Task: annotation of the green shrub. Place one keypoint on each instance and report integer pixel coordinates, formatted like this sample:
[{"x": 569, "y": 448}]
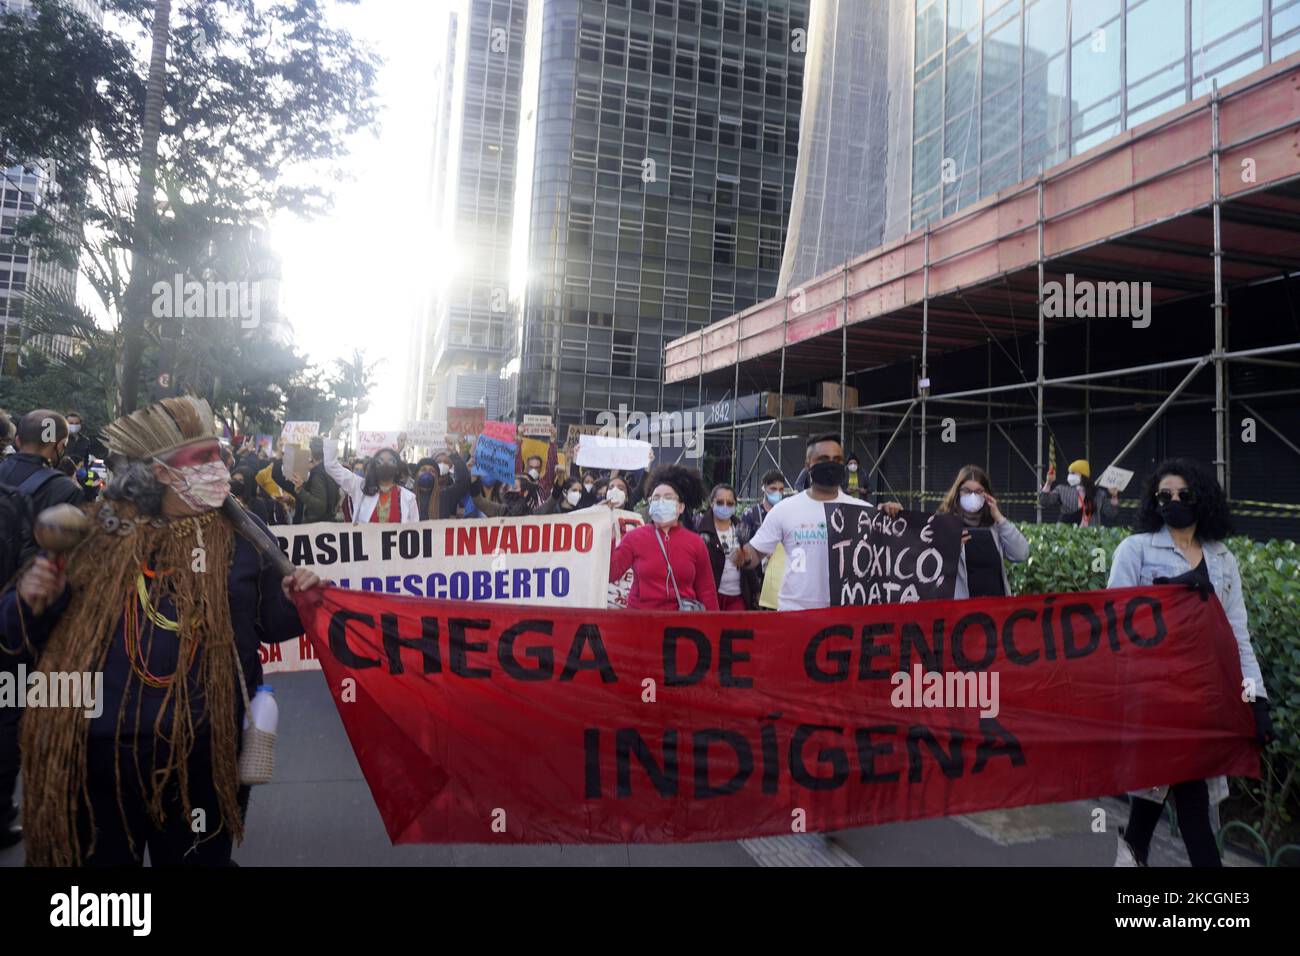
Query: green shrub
[{"x": 1066, "y": 558}]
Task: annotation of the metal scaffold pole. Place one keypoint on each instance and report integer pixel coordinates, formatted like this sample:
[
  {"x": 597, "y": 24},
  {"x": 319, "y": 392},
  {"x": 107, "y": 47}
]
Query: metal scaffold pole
[
  {"x": 1038, "y": 426},
  {"x": 780, "y": 395},
  {"x": 925, "y": 357},
  {"x": 1220, "y": 379},
  {"x": 844, "y": 357}
]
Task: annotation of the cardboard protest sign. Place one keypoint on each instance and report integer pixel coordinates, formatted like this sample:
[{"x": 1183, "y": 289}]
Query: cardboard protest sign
[
  {"x": 370, "y": 442},
  {"x": 427, "y": 433},
  {"x": 496, "y": 723},
  {"x": 533, "y": 561},
  {"x": 299, "y": 433},
  {"x": 265, "y": 443},
  {"x": 1115, "y": 477},
  {"x": 537, "y": 426},
  {"x": 876, "y": 559},
  {"x": 466, "y": 422},
  {"x": 296, "y": 462}
]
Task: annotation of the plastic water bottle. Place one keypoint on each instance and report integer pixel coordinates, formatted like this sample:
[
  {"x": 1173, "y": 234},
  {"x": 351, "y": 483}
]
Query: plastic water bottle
[{"x": 263, "y": 711}]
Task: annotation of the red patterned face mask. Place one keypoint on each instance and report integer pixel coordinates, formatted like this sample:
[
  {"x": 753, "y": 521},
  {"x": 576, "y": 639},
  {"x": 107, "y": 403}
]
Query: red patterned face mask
[{"x": 198, "y": 475}]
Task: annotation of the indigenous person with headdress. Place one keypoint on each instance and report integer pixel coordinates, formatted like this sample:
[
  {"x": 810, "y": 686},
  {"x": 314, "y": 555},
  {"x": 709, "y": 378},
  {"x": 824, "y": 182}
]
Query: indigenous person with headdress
[{"x": 169, "y": 602}]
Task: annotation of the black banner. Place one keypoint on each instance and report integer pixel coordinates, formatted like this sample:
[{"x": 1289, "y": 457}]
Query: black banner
[{"x": 878, "y": 559}]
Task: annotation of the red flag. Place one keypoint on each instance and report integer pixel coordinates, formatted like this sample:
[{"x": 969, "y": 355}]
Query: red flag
[{"x": 488, "y": 722}]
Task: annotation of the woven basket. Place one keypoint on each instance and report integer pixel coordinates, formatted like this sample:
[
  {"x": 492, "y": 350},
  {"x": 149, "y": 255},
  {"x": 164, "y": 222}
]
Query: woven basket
[{"x": 256, "y": 757}]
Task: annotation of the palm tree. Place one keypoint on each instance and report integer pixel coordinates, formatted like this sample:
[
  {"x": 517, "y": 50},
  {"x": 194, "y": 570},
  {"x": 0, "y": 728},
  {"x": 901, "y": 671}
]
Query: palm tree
[
  {"x": 137, "y": 293},
  {"x": 352, "y": 384}
]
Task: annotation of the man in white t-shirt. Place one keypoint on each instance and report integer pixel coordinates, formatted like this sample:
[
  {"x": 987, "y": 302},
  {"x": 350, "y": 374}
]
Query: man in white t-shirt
[{"x": 799, "y": 523}]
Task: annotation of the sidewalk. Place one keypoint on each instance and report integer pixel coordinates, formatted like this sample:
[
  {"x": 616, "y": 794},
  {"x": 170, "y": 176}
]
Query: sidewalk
[{"x": 319, "y": 812}]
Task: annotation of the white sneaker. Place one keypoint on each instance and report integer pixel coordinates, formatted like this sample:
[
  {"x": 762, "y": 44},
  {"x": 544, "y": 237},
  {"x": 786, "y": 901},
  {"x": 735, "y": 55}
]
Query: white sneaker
[{"x": 1124, "y": 855}]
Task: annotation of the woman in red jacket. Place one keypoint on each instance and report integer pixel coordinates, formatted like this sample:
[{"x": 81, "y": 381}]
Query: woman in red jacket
[{"x": 669, "y": 562}]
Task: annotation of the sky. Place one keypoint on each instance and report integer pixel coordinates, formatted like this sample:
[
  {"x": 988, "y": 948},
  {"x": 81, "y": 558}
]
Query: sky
[{"x": 356, "y": 277}]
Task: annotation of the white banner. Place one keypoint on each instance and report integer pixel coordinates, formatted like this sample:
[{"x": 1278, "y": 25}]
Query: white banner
[
  {"x": 551, "y": 560},
  {"x": 611, "y": 451}
]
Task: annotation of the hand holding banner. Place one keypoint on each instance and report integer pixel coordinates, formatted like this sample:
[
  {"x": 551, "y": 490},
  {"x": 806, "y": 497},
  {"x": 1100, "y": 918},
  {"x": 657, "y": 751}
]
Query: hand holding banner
[{"x": 879, "y": 559}]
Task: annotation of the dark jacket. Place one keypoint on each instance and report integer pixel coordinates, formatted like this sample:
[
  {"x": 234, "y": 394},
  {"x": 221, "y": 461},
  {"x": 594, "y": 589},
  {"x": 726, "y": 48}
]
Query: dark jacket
[
  {"x": 81, "y": 446},
  {"x": 58, "y": 490},
  {"x": 259, "y": 612},
  {"x": 751, "y": 585},
  {"x": 318, "y": 498},
  {"x": 449, "y": 493}
]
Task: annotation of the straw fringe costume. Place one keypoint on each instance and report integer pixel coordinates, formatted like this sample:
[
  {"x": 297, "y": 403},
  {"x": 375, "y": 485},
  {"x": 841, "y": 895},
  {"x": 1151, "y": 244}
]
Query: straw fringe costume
[{"x": 171, "y": 611}]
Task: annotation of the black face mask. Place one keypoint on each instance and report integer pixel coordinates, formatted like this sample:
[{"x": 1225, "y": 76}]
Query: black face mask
[
  {"x": 1176, "y": 514},
  {"x": 827, "y": 474},
  {"x": 385, "y": 472}
]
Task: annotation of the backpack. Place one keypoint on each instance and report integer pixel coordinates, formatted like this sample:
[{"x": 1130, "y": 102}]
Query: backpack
[{"x": 17, "y": 521}]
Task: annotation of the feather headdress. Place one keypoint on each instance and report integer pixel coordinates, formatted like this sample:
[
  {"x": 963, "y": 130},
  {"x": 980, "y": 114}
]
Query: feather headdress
[{"x": 158, "y": 428}]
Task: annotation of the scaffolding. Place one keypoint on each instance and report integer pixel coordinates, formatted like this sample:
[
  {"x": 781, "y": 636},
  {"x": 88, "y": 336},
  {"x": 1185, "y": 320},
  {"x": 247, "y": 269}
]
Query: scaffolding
[{"x": 1144, "y": 227}]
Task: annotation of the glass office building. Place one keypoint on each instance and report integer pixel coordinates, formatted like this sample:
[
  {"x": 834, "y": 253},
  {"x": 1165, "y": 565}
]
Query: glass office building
[
  {"x": 997, "y": 91},
  {"x": 463, "y": 337},
  {"x": 658, "y": 147}
]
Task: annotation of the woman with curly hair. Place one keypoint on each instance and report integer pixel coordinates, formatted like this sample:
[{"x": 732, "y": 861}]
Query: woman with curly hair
[
  {"x": 670, "y": 564},
  {"x": 1182, "y": 521}
]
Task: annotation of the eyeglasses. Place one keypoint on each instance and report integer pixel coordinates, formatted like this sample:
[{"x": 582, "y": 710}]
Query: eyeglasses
[{"x": 1185, "y": 495}]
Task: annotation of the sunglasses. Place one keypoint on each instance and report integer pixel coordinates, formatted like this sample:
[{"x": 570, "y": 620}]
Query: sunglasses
[{"x": 1185, "y": 495}]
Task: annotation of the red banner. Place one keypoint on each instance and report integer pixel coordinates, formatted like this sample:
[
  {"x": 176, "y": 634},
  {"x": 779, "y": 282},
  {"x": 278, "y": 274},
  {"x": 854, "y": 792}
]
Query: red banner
[{"x": 487, "y": 722}]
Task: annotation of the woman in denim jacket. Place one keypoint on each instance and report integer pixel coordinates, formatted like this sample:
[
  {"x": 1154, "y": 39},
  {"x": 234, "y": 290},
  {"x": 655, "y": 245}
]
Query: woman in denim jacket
[{"x": 1183, "y": 519}]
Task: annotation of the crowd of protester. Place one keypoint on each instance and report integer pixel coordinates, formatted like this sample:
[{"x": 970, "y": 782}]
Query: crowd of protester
[{"x": 680, "y": 547}]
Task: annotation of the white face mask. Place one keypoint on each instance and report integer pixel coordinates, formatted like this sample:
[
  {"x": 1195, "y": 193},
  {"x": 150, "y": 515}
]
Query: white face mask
[
  {"x": 442, "y": 468},
  {"x": 588, "y": 485},
  {"x": 1074, "y": 479},
  {"x": 971, "y": 501},
  {"x": 615, "y": 496},
  {"x": 73, "y": 429},
  {"x": 573, "y": 497},
  {"x": 533, "y": 473},
  {"x": 853, "y": 466}
]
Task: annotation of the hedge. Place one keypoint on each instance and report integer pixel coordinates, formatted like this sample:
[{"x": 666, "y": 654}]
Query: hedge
[{"x": 1067, "y": 558}]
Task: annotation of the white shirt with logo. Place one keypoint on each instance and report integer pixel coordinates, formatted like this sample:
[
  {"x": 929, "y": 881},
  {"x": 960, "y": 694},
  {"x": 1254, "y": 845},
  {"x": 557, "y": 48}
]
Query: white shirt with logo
[{"x": 799, "y": 523}]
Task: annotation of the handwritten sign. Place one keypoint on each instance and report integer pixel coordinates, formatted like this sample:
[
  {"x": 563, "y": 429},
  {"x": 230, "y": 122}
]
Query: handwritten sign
[
  {"x": 1115, "y": 477},
  {"x": 466, "y": 422},
  {"x": 427, "y": 433},
  {"x": 370, "y": 442},
  {"x": 501, "y": 431},
  {"x": 494, "y": 458},
  {"x": 879, "y": 559},
  {"x": 299, "y": 433},
  {"x": 537, "y": 426}
]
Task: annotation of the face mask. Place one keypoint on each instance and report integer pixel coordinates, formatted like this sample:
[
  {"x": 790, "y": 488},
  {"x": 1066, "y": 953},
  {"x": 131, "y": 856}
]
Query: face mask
[
  {"x": 774, "y": 497},
  {"x": 724, "y": 511},
  {"x": 971, "y": 501},
  {"x": 425, "y": 481},
  {"x": 615, "y": 496},
  {"x": 1074, "y": 479},
  {"x": 1176, "y": 514},
  {"x": 385, "y": 472},
  {"x": 533, "y": 473},
  {"x": 359, "y": 472},
  {"x": 573, "y": 497},
  {"x": 442, "y": 468},
  {"x": 662, "y": 512},
  {"x": 827, "y": 474},
  {"x": 73, "y": 429},
  {"x": 588, "y": 485},
  {"x": 202, "y": 487},
  {"x": 852, "y": 466}
]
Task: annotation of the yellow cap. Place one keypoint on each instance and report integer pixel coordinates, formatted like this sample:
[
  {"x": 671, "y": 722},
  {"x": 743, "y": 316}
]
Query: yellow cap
[{"x": 1081, "y": 466}]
